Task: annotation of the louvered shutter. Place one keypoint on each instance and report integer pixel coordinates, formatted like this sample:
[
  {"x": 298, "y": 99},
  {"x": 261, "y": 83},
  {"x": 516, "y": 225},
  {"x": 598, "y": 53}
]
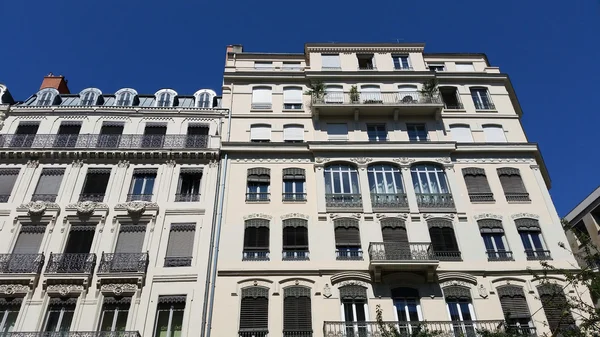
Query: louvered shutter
[
  {"x": 461, "y": 133},
  {"x": 494, "y": 134},
  {"x": 556, "y": 307},
  {"x": 297, "y": 315},
  {"x": 347, "y": 236},
  {"x": 131, "y": 239},
  {"x": 394, "y": 234},
  {"x": 292, "y": 95},
  {"x": 181, "y": 240},
  {"x": 295, "y": 238},
  {"x": 254, "y": 313},
  {"x": 261, "y": 96},
  {"x": 256, "y": 238},
  {"x": 513, "y": 302},
  {"x": 437, "y": 239},
  {"x": 450, "y": 239},
  {"x": 29, "y": 240},
  {"x": 511, "y": 181},
  {"x": 330, "y": 61},
  {"x": 476, "y": 180},
  {"x": 49, "y": 182},
  {"x": 7, "y": 182},
  {"x": 260, "y": 132}
]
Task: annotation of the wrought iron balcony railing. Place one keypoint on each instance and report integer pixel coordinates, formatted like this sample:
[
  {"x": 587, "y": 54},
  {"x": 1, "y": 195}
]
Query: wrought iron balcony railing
[
  {"x": 187, "y": 197},
  {"x": 295, "y": 255},
  {"x": 343, "y": 200},
  {"x": 499, "y": 255},
  {"x": 349, "y": 254},
  {"x": 450, "y": 255},
  {"x": 481, "y": 197},
  {"x": 399, "y": 251},
  {"x": 21, "y": 263},
  {"x": 437, "y": 200},
  {"x": 71, "y": 263},
  {"x": 517, "y": 197},
  {"x": 253, "y": 333},
  {"x": 254, "y": 196},
  {"x": 538, "y": 254},
  {"x": 408, "y": 98},
  {"x": 297, "y": 333},
  {"x": 71, "y": 334},
  {"x": 97, "y": 197},
  {"x": 415, "y": 328},
  {"x": 102, "y": 141},
  {"x": 44, "y": 197},
  {"x": 255, "y": 254},
  {"x": 455, "y": 106},
  {"x": 294, "y": 196},
  {"x": 178, "y": 261},
  {"x": 139, "y": 197},
  {"x": 123, "y": 263},
  {"x": 389, "y": 200},
  {"x": 484, "y": 105}
]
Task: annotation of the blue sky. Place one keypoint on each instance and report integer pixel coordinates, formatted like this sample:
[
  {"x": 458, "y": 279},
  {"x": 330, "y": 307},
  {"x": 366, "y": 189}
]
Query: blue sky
[{"x": 550, "y": 49}]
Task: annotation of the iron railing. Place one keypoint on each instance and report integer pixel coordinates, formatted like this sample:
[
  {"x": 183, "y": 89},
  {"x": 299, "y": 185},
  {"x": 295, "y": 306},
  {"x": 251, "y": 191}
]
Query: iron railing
[
  {"x": 484, "y": 105},
  {"x": 389, "y": 200},
  {"x": 295, "y": 255},
  {"x": 71, "y": 263},
  {"x": 90, "y": 141},
  {"x": 123, "y": 263},
  {"x": 294, "y": 196},
  {"x": 455, "y": 106},
  {"x": 21, "y": 263},
  {"x": 538, "y": 254},
  {"x": 349, "y": 254},
  {"x": 447, "y": 255},
  {"x": 250, "y": 254},
  {"x": 71, "y": 334},
  {"x": 261, "y": 106},
  {"x": 253, "y": 333},
  {"x": 414, "y": 328},
  {"x": 481, "y": 197},
  {"x": 499, "y": 255},
  {"x": 44, "y": 197},
  {"x": 297, "y": 333},
  {"x": 517, "y": 197},
  {"x": 178, "y": 261},
  {"x": 97, "y": 197},
  {"x": 187, "y": 197},
  {"x": 139, "y": 197},
  {"x": 343, "y": 200},
  {"x": 435, "y": 200},
  {"x": 255, "y": 196},
  {"x": 408, "y": 98},
  {"x": 399, "y": 251}
]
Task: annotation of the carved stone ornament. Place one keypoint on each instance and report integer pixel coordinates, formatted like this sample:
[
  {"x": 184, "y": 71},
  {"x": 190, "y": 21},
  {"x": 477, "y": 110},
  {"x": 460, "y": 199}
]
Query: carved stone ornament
[
  {"x": 137, "y": 207},
  {"x": 64, "y": 289},
  {"x": 525, "y": 215},
  {"x": 327, "y": 291},
  {"x": 487, "y": 216},
  {"x": 123, "y": 163},
  {"x": 33, "y": 163},
  {"x": 448, "y": 216},
  {"x": 345, "y": 215},
  {"x": 294, "y": 216},
  {"x": 402, "y": 216},
  {"x": 352, "y": 283},
  {"x": 11, "y": 289},
  {"x": 321, "y": 160},
  {"x": 170, "y": 163},
  {"x": 454, "y": 283},
  {"x": 404, "y": 160},
  {"x": 37, "y": 207},
  {"x": 258, "y": 216},
  {"x": 118, "y": 289},
  {"x": 361, "y": 160},
  {"x": 482, "y": 291},
  {"x": 86, "y": 207},
  {"x": 445, "y": 160},
  {"x": 77, "y": 163}
]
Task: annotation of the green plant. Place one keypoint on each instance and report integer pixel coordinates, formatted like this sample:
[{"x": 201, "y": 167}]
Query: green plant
[
  {"x": 354, "y": 95},
  {"x": 430, "y": 88},
  {"x": 316, "y": 89}
]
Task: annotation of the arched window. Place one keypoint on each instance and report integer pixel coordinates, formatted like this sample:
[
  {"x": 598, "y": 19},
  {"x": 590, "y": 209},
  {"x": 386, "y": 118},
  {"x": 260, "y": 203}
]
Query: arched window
[
  {"x": 443, "y": 240},
  {"x": 254, "y": 312},
  {"x": 204, "y": 98},
  {"x": 554, "y": 303},
  {"x": 385, "y": 183},
  {"x": 262, "y": 98},
  {"x": 481, "y": 98},
  {"x": 46, "y": 97},
  {"x": 461, "y": 133},
  {"x": 408, "y": 309},
  {"x": 532, "y": 239},
  {"x": 355, "y": 309},
  {"x": 125, "y": 97},
  {"x": 515, "y": 308},
  {"x": 460, "y": 307},
  {"x": 89, "y": 97},
  {"x": 295, "y": 239},
  {"x": 341, "y": 186},
  {"x": 256, "y": 239},
  {"x": 512, "y": 184},
  {"x": 292, "y": 98},
  {"x": 429, "y": 179},
  {"x": 165, "y": 98},
  {"x": 347, "y": 239},
  {"x": 297, "y": 316}
]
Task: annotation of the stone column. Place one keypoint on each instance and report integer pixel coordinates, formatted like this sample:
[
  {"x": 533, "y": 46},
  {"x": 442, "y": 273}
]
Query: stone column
[
  {"x": 365, "y": 190},
  {"x": 457, "y": 196},
  {"x": 320, "y": 179}
]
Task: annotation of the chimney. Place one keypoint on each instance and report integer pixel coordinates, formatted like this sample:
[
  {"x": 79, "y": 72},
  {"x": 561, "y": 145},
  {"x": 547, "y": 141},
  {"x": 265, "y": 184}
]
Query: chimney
[
  {"x": 57, "y": 82},
  {"x": 234, "y": 49}
]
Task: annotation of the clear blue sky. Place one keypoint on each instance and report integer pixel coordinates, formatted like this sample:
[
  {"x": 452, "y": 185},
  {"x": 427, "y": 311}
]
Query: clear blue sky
[{"x": 551, "y": 49}]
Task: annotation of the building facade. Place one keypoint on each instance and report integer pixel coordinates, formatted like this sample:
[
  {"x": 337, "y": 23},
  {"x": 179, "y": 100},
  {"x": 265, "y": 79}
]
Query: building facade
[
  {"x": 377, "y": 175},
  {"x": 106, "y": 211},
  {"x": 583, "y": 228}
]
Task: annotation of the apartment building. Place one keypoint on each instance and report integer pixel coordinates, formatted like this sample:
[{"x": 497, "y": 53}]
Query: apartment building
[
  {"x": 106, "y": 209},
  {"x": 583, "y": 228},
  {"x": 378, "y": 175}
]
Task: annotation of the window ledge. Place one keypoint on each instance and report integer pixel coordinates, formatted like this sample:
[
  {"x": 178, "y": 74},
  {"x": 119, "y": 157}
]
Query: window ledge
[
  {"x": 457, "y": 110},
  {"x": 291, "y": 110},
  {"x": 486, "y": 110},
  {"x": 294, "y": 201},
  {"x": 519, "y": 202},
  {"x": 484, "y": 202},
  {"x": 258, "y": 202},
  {"x": 261, "y": 110}
]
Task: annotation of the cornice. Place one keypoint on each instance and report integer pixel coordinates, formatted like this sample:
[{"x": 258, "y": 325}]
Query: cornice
[
  {"x": 498, "y": 147},
  {"x": 122, "y": 109},
  {"x": 384, "y": 146},
  {"x": 351, "y": 49}
]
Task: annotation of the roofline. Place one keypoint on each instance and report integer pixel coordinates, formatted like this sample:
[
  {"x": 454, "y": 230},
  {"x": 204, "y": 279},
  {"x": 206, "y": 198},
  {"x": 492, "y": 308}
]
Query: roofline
[
  {"x": 460, "y": 55},
  {"x": 362, "y": 44},
  {"x": 581, "y": 208}
]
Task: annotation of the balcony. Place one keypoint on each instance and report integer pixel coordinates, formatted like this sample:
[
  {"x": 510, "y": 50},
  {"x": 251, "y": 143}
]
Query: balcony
[
  {"x": 297, "y": 333},
  {"x": 538, "y": 254},
  {"x": 343, "y": 202},
  {"x": 44, "y": 197},
  {"x": 481, "y": 197},
  {"x": 103, "y": 141},
  {"x": 21, "y": 263},
  {"x": 123, "y": 263},
  {"x": 178, "y": 261},
  {"x": 517, "y": 197},
  {"x": 500, "y": 255},
  {"x": 187, "y": 197},
  {"x": 255, "y": 254},
  {"x": 71, "y": 334},
  {"x": 258, "y": 197},
  {"x": 414, "y": 328},
  {"x": 291, "y": 197},
  {"x": 377, "y": 103},
  {"x": 395, "y": 202},
  {"x": 71, "y": 263},
  {"x": 97, "y": 197},
  {"x": 253, "y": 333},
  {"x": 295, "y": 255},
  {"x": 435, "y": 202},
  {"x": 448, "y": 255},
  {"x": 139, "y": 197},
  {"x": 453, "y": 106},
  {"x": 484, "y": 105},
  {"x": 398, "y": 256}
]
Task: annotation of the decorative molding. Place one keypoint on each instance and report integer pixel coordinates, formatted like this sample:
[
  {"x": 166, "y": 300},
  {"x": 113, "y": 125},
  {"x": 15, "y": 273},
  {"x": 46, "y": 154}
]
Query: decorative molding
[
  {"x": 273, "y": 160},
  {"x": 136, "y": 207},
  {"x": 14, "y": 289},
  {"x": 64, "y": 289},
  {"x": 525, "y": 215},
  {"x": 365, "y": 49},
  {"x": 487, "y": 216},
  {"x": 361, "y": 160},
  {"x": 118, "y": 289},
  {"x": 213, "y": 163},
  {"x": 402, "y": 216},
  {"x": 258, "y": 216},
  {"x": 482, "y": 291},
  {"x": 123, "y": 163},
  {"x": 37, "y": 207},
  {"x": 87, "y": 207},
  {"x": 327, "y": 291},
  {"x": 334, "y": 216},
  {"x": 456, "y": 278},
  {"x": 495, "y": 160},
  {"x": 449, "y": 216},
  {"x": 321, "y": 160},
  {"x": 352, "y": 283},
  {"x": 534, "y": 167},
  {"x": 455, "y": 283},
  {"x": 294, "y": 216},
  {"x": 33, "y": 163},
  {"x": 77, "y": 163},
  {"x": 404, "y": 160},
  {"x": 171, "y": 163},
  {"x": 445, "y": 160}
]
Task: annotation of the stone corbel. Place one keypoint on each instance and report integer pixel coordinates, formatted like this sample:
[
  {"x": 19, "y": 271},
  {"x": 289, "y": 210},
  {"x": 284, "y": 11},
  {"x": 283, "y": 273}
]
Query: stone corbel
[
  {"x": 14, "y": 289},
  {"x": 64, "y": 290},
  {"x": 118, "y": 289}
]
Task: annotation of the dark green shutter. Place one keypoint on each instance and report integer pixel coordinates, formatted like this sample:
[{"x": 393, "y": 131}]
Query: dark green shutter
[{"x": 513, "y": 302}]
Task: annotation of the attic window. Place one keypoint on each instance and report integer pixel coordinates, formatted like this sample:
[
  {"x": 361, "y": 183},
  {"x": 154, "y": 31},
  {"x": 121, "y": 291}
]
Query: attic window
[
  {"x": 46, "y": 99},
  {"x": 204, "y": 98},
  {"x": 90, "y": 97},
  {"x": 125, "y": 97},
  {"x": 164, "y": 98}
]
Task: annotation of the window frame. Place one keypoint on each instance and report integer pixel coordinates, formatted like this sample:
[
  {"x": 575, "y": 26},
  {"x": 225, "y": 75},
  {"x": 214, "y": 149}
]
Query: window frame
[
  {"x": 416, "y": 133},
  {"x": 456, "y": 136},
  {"x": 145, "y": 173},
  {"x": 399, "y": 62},
  {"x": 427, "y": 169},
  {"x": 341, "y": 170},
  {"x": 261, "y": 138},
  {"x": 378, "y": 129},
  {"x": 382, "y": 171},
  {"x": 46, "y": 97},
  {"x": 5, "y": 314},
  {"x": 481, "y": 98},
  {"x": 259, "y": 105},
  {"x": 292, "y": 104},
  {"x": 161, "y": 102},
  {"x": 338, "y": 67},
  {"x": 494, "y": 126},
  {"x": 128, "y": 93},
  {"x": 199, "y": 102},
  {"x": 173, "y": 307}
]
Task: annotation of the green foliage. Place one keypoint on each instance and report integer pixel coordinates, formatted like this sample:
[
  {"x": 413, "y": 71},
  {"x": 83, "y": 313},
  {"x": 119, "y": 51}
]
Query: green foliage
[
  {"x": 354, "y": 95},
  {"x": 430, "y": 88},
  {"x": 316, "y": 89}
]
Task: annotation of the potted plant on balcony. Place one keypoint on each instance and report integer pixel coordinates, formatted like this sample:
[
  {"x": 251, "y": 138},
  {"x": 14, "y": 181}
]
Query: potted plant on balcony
[
  {"x": 429, "y": 91},
  {"x": 316, "y": 90},
  {"x": 354, "y": 95}
]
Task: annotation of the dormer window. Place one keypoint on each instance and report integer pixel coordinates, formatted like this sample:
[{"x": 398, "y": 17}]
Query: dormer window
[
  {"x": 204, "y": 98},
  {"x": 125, "y": 97},
  {"x": 165, "y": 98},
  {"x": 90, "y": 97},
  {"x": 46, "y": 97}
]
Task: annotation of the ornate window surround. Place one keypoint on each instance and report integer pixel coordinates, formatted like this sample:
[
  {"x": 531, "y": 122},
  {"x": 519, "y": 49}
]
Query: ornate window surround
[
  {"x": 197, "y": 94},
  {"x": 97, "y": 95},
  {"x": 159, "y": 93},
  {"x": 120, "y": 92}
]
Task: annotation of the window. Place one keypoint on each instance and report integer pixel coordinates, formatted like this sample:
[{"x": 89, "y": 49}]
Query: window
[
  {"x": 515, "y": 309},
  {"x": 263, "y": 65},
  {"x": 431, "y": 186},
  {"x": 110, "y": 134},
  {"x": 261, "y": 98},
  {"x": 295, "y": 239},
  {"x": 294, "y": 181},
  {"x": 401, "y": 62},
  {"x": 46, "y": 97},
  {"x": 417, "y": 132},
  {"x": 482, "y": 99},
  {"x": 494, "y": 134},
  {"x": 292, "y": 98},
  {"x": 443, "y": 240},
  {"x": 114, "y": 314},
  {"x": 297, "y": 316},
  {"x": 492, "y": 233},
  {"x": 464, "y": 67},
  {"x": 27, "y": 250},
  {"x": 9, "y": 310},
  {"x": 460, "y": 307},
  {"x": 365, "y": 61},
  {"x": 25, "y": 134},
  {"x": 461, "y": 133},
  {"x": 408, "y": 94},
  {"x": 7, "y": 182},
  {"x": 154, "y": 135},
  {"x": 451, "y": 98},
  {"x": 293, "y": 133},
  {"x": 354, "y": 310},
  {"x": 254, "y": 312},
  {"x": 334, "y": 94},
  {"x": 68, "y": 132},
  {"x": 169, "y": 316},
  {"x": 337, "y": 131},
  {"x": 165, "y": 98},
  {"x": 292, "y": 66},
  {"x": 125, "y": 97},
  {"x": 181, "y": 245},
  {"x": 531, "y": 236},
  {"x": 88, "y": 98},
  {"x": 436, "y": 67},
  {"x": 197, "y": 136},
  {"x": 205, "y": 100},
  {"x": 376, "y": 132},
  {"x": 256, "y": 240},
  {"x": 347, "y": 239},
  {"x": 48, "y": 185},
  {"x": 128, "y": 256},
  {"x": 188, "y": 189},
  {"x": 259, "y": 181},
  {"x": 477, "y": 184},
  {"x": 76, "y": 257},
  {"x": 580, "y": 231},
  {"x": 59, "y": 315},
  {"x": 95, "y": 184},
  {"x": 512, "y": 184},
  {"x": 407, "y": 310},
  {"x": 330, "y": 61},
  {"x": 142, "y": 185},
  {"x": 370, "y": 94},
  {"x": 385, "y": 183},
  {"x": 341, "y": 186},
  {"x": 395, "y": 241},
  {"x": 554, "y": 303}
]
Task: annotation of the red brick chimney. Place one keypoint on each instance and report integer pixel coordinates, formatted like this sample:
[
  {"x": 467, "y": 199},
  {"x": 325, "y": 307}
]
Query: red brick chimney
[{"x": 57, "y": 82}]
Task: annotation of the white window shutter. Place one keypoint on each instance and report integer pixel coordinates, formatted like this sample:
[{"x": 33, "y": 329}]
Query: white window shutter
[
  {"x": 494, "y": 134},
  {"x": 263, "y": 65},
  {"x": 260, "y": 132},
  {"x": 337, "y": 131},
  {"x": 461, "y": 133},
  {"x": 293, "y": 132},
  {"x": 334, "y": 94},
  {"x": 261, "y": 95},
  {"x": 330, "y": 61},
  {"x": 292, "y": 95},
  {"x": 462, "y": 67}
]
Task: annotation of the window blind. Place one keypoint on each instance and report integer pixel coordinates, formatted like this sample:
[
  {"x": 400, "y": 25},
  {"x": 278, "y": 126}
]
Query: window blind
[
  {"x": 476, "y": 180},
  {"x": 554, "y": 304},
  {"x": 29, "y": 240},
  {"x": 330, "y": 60},
  {"x": 293, "y": 132},
  {"x": 294, "y": 173},
  {"x": 261, "y": 95},
  {"x": 511, "y": 181},
  {"x": 443, "y": 239},
  {"x": 295, "y": 238},
  {"x": 181, "y": 240},
  {"x": 49, "y": 182},
  {"x": 256, "y": 238},
  {"x": 394, "y": 234},
  {"x": 297, "y": 314},
  {"x": 457, "y": 293},
  {"x": 254, "y": 311},
  {"x": 260, "y": 132},
  {"x": 7, "y": 181},
  {"x": 292, "y": 95},
  {"x": 464, "y": 67},
  {"x": 259, "y": 174},
  {"x": 131, "y": 239},
  {"x": 494, "y": 134},
  {"x": 337, "y": 131},
  {"x": 334, "y": 94},
  {"x": 461, "y": 133},
  {"x": 347, "y": 236},
  {"x": 513, "y": 302}
]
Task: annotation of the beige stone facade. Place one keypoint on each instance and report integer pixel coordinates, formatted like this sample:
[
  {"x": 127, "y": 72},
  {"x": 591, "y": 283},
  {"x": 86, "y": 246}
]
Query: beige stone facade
[{"x": 583, "y": 226}]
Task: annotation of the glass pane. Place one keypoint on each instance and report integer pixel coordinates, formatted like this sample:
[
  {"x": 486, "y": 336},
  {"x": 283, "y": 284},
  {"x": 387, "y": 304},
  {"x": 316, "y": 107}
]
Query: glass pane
[
  {"x": 525, "y": 240},
  {"x": 464, "y": 309},
  {"x": 487, "y": 240},
  {"x": 149, "y": 185},
  {"x": 390, "y": 184},
  {"x": 288, "y": 186},
  {"x": 348, "y": 312},
  {"x": 65, "y": 323},
  {"x": 537, "y": 241},
  {"x": 121, "y": 320},
  {"x": 433, "y": 184},
  {"x": 360, "y": 312},
  {"x": 11, "y": 318},
  {"x": 380, "y": 182},
  {"x": 346, "y": 182},
  {"x": 415, "y": 181},
  {"x": 177, "y": 323},
  {"x": 372, "y": 186},
  {"x": 138, "y": 183},
  {"x": 443, "y": 183},
  {"x": 401, "y": 310},
  {"x": 453, "y": 309},
  {"x": 413, "y": 313},
  {"x": 299, "y": 186},
  {"x": 337, "y": 185},
  {"x": 398, "y": 180},
  {"x": 52, "y": 320},
  {"x": 107, "y": 320},
  {"x": 162, "y": 323},
  {"x": 498, "y": 241},
  {"x": 328, "y": 182},
  {"x": 354, "y": 178}
]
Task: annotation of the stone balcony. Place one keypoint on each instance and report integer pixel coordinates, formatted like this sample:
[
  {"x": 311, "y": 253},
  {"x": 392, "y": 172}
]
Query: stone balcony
[
  {"x": 400, "y": 256},
  {"x": 377, "y": 103}
]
